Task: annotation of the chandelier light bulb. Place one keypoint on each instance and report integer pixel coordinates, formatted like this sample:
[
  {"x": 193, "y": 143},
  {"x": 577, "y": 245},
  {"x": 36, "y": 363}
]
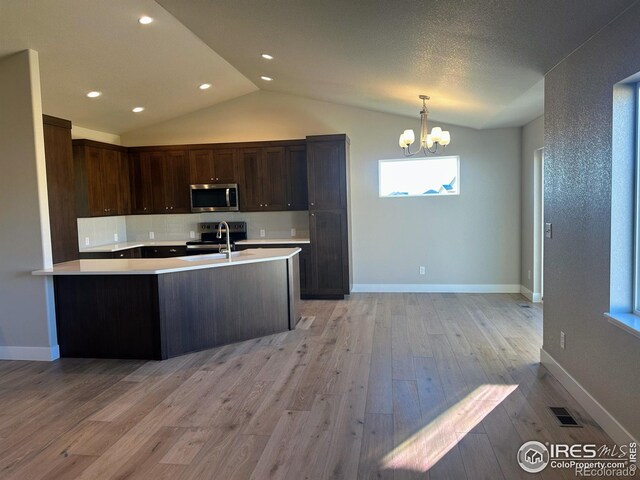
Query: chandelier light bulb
[
  {"x": 429, "y": 141},
  {"x": 436, "y": 132},
  {"x": 445, "y": 138},
  {"x": 409, "y": 137}
]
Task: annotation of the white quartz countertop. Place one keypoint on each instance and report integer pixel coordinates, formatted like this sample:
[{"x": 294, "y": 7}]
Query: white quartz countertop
[
  {"x": 116, "y": 247},
  {"x": 153, "y": 266},
  {"x": 273, "y": 241}
]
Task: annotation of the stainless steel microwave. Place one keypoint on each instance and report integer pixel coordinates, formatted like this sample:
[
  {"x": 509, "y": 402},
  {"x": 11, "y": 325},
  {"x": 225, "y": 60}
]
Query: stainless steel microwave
[{"x": 216, "y": 197}]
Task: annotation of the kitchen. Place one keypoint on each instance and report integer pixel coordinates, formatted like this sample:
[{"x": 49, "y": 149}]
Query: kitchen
[{"x": 109, "y": 182}]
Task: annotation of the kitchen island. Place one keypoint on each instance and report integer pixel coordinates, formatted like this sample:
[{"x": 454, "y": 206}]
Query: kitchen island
[{"x": 150, "y": 308}]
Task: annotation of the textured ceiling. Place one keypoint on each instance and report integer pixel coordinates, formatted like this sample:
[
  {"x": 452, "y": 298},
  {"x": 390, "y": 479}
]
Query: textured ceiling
[
  {"x": 88, "y": 45},
  {"x": 482, "y": 61}
]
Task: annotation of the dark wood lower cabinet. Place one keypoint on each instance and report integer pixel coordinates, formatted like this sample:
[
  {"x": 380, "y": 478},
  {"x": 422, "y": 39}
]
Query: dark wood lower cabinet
[
  {"x": 304, "y": 262},
  {"x": 128, "y": 253},
  {"x": 162, "y": 316},
  {"x": 329, "y": 253}
]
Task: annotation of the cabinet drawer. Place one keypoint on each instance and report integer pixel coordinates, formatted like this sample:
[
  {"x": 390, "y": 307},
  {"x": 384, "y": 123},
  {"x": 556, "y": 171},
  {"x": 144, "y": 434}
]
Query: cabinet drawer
[{"x": 165, "y": 251}]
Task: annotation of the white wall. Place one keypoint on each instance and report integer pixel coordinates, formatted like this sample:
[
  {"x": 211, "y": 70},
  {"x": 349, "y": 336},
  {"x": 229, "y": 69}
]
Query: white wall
[
  {"x": 81, "y": 132},
  {"x": 532, "y": 140},
  {"x": 27, "y": 322},
  {"x": 471, "y": 239}
]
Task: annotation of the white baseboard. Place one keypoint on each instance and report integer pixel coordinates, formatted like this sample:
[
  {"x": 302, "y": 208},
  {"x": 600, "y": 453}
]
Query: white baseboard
[
  {"x": 41, "y": 354},
  {"x": 609, "y": 424},
  {"x": 533, "y": 297},
  {"x": 433, "y": 288}
]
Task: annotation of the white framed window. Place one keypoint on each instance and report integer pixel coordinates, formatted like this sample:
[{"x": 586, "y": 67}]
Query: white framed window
[
  {"x": 419, "y": 177},
  {"x": 636, "y": 215}
]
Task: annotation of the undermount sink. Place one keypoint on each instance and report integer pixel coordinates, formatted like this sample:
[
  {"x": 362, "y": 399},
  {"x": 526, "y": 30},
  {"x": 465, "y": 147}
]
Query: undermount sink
[{"x": 212, "y": 256}]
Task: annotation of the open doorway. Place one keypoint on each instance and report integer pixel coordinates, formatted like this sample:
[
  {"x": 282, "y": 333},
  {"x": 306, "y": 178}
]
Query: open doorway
[{"x": 538, "y": 225}]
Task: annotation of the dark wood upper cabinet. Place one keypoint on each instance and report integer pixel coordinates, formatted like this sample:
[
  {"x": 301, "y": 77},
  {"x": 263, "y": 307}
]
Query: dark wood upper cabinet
[
  {"x": 297, "y": 196},
  {"x": 266, "y": 178},
  {"x": 213, "y": 166},
  {"x": 170, "y": 181},
  {"x": 251, "y": 182},
  {"x": 141, "y": 183},
  {"x": 60, "y": 189},
  {"x": 326, "y": 161},
  {"x": 101, "y": 178},
  {"x": 273, "y": 176}
]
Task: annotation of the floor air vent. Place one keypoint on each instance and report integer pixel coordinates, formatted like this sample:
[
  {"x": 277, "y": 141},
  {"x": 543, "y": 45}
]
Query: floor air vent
[
  {"x": 524, "y": 305},
  {"x": 564, "y": 418}
]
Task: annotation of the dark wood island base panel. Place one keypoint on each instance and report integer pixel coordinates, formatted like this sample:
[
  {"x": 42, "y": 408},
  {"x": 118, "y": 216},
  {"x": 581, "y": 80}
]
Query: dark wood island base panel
[{"x": 166, "y": 315}]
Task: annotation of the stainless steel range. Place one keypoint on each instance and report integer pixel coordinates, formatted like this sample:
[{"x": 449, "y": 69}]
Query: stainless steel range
[{"x": 209, "y": 243}]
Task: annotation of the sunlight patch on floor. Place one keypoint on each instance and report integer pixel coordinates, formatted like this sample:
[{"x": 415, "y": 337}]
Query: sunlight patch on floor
[{"x": 427, "y": 446}]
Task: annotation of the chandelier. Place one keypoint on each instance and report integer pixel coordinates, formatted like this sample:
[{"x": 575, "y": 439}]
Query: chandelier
[{"x": 429, "y": 142}]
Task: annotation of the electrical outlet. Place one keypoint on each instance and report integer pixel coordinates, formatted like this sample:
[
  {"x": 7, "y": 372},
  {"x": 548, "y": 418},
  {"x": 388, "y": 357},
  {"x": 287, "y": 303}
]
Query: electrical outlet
[
  {"x": 529, "y": 275},
  {"x": 115, "y": 237},
  {"x": 562, "y": 340},
  {"x": 152, "y": 235},
  {"x": 293, "y": 232},
  {"x": 192, "y": 234},
  {"x": 422, "y": 271},
  {"x": 262, "y": 233},
  {"x": 86, "y": 241}
]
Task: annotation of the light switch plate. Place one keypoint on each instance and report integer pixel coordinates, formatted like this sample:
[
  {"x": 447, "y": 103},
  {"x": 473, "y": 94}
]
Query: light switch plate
[
  {"x": 293, "y": 232},
  {"x": 547, "y": 230},
  {"x": 192, "y": 234},
  {"x": 262, "y": 233},
  {"x": 86, "y": 241},
  {"x": 152, "y": 235},
  {"x": 115, "y": 237}
]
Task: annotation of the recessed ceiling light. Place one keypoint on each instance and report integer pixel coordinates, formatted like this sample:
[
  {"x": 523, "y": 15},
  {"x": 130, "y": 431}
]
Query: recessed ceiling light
[
  {"x": 138, "y": 109},
  {"x": 204, "y": 86},
  {"x": 145, "y": 20},
  {"x": 94, "y": 94},
  {"x": 266, "y": 56},
  {"x": 265, "y": 78}
]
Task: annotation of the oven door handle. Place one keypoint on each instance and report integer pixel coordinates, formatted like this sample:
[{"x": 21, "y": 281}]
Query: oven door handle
[{"x": 227, "y": 195}]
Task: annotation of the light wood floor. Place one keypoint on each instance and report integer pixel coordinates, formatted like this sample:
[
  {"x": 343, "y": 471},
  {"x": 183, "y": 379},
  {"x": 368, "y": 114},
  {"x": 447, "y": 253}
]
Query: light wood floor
[{"x": 377, "y": 386}]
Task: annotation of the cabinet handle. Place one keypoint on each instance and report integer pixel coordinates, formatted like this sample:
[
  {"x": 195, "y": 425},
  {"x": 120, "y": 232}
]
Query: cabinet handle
[
  {"x": 265, "y": 205},
  {"x": 313, "y": 214},
  {"x": 288, "y": 204},
  {"x": 312, "y": 204},
  {"x": 145, "y": 209},
  {"x": 166, "y": 208},
  {"x": 171, "y": 208},
  {"x": 173, "y": 250},
  {"x": 211, "y": 178},
  {"x": 122, "y": 254}
]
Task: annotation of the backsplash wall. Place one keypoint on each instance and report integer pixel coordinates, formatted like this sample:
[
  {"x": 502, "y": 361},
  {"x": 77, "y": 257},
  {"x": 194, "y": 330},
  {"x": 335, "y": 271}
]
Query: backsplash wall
[{"x": 100, "y": 231}]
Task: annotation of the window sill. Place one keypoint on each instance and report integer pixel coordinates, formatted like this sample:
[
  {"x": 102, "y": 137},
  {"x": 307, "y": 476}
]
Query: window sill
[{"x": 628, "y": 322}]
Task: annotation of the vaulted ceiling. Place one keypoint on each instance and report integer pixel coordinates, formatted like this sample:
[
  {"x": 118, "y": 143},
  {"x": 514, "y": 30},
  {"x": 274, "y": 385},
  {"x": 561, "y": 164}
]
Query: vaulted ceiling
[{"x": 481, "y": 61}]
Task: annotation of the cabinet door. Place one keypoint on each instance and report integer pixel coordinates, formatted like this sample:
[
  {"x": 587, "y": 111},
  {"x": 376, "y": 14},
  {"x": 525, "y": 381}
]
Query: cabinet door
[
  {"x": 304, "y": 258},
  {"x": 124, "y": 188},
  {"x": 224, "y": 165},
  {"x": 94, "y": 169},
  {"x": 327, "y": 174},
  {"x": 158, "y": 193},
  {"x": 141, "y": 184},
  {"x": 328, "y": 234},
  {"x": 176, "y": 182},
  {"x": 201, "y": 166},
  {"x": 297, "y": 198},
  {"x": 250, "y": 185},
  {"x": 109, "y": 165},
  {"x": 273, "y": 176},
  {"x": 61, "y": 190}
]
